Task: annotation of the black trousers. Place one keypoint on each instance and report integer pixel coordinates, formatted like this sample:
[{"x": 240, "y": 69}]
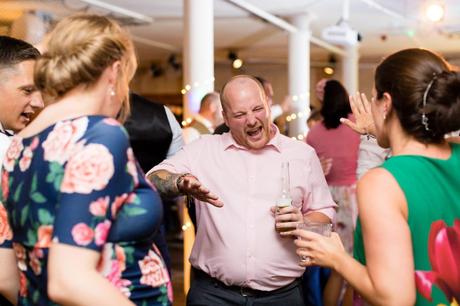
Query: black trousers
[{"x": 208, "y": 291}]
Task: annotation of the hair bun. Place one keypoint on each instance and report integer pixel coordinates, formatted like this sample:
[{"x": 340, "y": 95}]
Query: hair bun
[
  {"x": 443, "y": 103},
  {"x": 79, "y": 49}
]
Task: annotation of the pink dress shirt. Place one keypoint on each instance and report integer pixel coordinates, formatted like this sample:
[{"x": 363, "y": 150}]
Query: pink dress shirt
[{"x": 237, "y": 243}]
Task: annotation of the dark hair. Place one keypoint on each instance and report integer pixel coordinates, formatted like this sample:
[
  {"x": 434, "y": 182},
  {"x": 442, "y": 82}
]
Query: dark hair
[
  {"x": 336, "y": 104},
  {"x": 14, "y": 51},
  {"x": 406, "y": 76},
  {"x": 315, "y": 115},
  {"x": 261, "y": 80}
]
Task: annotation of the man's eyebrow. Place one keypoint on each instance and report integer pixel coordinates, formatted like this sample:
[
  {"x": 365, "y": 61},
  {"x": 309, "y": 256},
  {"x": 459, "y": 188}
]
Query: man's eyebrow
[{"x": 27, "y": 87}]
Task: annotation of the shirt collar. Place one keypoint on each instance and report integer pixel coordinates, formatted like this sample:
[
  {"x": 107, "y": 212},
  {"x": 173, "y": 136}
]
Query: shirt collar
[
  {"x": 228, "y": 140},
  {"x": 5, "y": 132}
]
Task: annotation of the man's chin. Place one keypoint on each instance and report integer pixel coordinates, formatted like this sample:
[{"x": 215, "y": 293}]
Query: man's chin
[{"x": 18, "y": 127}]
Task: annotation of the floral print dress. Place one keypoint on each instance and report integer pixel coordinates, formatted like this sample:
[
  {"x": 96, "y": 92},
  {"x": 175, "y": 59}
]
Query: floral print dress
[{"x": 77, "y": 183}]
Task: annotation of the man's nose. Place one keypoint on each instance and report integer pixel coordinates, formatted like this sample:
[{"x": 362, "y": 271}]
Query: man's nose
[
  {"x": 251, "y": 118},
  {"x": 36, "y": 100}
]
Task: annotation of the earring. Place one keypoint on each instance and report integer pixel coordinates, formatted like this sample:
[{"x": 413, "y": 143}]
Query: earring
[
  {"x": 384, "y": 116},
  {"x": 112, "y": 92}
]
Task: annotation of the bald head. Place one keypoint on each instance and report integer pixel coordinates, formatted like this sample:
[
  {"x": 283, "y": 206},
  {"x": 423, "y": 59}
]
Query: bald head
[
  {"x": 209, "y": 101},
  {"x": 210, "y": 108},
  {"x": 246, "y": 112},
  {"x": 240, "y": 84}
]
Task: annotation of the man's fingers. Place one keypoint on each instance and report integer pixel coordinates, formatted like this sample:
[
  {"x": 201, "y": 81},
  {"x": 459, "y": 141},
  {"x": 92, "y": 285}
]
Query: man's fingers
[{"x": 216, "y": 203}]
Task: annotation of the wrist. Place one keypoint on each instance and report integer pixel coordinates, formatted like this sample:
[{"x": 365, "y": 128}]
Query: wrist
[
  {"x": 369, "y": 131},
  {"x": 179, "y": 179},
  {"x": 339, "y": 261}
]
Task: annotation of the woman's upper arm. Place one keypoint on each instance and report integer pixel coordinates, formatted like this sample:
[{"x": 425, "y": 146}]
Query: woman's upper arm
[
  {"x": 387, "y": 237},
  {"x": 9, "y": 276},
  {"x": 97, "y": 181}
]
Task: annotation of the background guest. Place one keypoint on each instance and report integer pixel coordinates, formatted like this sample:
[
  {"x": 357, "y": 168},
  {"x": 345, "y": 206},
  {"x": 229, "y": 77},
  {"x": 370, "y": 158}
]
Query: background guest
[{"x": 19, "y": 100}]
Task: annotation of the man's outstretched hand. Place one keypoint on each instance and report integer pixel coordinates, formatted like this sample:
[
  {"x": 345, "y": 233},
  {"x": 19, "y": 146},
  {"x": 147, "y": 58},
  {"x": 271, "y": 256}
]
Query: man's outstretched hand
[{"x": 191, "y": 186}]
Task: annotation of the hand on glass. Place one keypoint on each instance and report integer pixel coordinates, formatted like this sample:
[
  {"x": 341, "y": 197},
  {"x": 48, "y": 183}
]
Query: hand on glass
[
  {"x": 361, "y": 108},
  {"x": 190, "y": 185},
  {"x": 320, "y": 250},
  {"x": 286, "y": 219}
]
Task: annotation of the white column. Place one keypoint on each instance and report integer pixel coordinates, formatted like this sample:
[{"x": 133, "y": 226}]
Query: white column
[
  {"x": 350, "y": 68},
  {"x": 198, "y": 67},
  {"x": 198, "y": 54},
  {"x": 299, "y": 73}
]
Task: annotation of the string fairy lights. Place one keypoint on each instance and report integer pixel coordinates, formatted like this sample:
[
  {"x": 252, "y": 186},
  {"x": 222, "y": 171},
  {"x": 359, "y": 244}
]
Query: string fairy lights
[
  {"x": 195, "y": 86},
  {"x": 188, "y": 87}
]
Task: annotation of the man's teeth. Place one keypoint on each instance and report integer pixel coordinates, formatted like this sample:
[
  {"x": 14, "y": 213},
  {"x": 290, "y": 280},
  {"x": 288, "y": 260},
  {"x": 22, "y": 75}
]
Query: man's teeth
[{"x": 27, "y": 115}]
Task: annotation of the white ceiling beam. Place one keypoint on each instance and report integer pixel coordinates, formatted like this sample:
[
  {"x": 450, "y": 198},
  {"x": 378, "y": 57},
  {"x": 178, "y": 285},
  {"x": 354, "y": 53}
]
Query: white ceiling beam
[
  {"x": 120, "y": 10},
  {"x": 284, "y": 25},
  {"x": 254, "y": 38},
  {"x": 154, "y": 43},
  {"x": 384, "y": 10}
]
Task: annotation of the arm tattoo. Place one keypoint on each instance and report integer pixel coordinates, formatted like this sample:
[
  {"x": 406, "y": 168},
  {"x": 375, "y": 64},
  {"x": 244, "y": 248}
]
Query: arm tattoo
[{"x": 165, "y": 182}]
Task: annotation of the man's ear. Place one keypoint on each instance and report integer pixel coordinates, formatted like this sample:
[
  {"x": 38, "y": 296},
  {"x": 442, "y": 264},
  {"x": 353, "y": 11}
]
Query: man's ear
[{"x": 224, "y": 115}]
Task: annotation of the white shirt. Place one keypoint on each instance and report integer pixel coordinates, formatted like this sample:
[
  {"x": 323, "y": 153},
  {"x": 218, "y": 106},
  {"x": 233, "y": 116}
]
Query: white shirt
[
  {"x": 177, "y": 141},
  {"x": 370, "y": 155},
  {"x": 5, "y": 141}
]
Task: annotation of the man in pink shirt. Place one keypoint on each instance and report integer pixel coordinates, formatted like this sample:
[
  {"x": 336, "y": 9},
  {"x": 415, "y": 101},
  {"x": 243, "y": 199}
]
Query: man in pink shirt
[{"x": 238, "y": 256}]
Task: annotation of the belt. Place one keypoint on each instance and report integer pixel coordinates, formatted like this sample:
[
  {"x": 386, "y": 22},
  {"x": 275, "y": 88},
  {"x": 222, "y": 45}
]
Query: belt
[{"x": 243, "y": 291}]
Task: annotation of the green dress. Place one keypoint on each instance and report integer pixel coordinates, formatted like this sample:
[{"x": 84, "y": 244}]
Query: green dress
[{"x": 432, "y": 190}]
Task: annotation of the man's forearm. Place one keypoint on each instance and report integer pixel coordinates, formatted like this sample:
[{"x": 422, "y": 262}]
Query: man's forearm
[
  {"x": 165, "y": 182},
  {"x": 316, "y": 216}
]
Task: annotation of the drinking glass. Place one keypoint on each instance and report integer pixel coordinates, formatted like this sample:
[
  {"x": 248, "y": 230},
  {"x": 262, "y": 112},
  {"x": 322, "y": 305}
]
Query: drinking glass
[{"x": 321, "y": 228}]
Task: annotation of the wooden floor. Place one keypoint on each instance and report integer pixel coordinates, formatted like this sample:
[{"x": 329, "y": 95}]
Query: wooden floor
[{"x": 175, "y": 248}]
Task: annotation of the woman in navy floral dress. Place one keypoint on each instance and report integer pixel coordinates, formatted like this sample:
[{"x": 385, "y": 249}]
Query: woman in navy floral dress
[{"x": 80, "y": 214}]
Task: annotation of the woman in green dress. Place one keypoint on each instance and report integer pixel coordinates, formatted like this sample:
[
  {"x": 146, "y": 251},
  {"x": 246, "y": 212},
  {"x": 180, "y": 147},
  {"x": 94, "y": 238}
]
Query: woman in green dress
[{"x": 407, "y": 241}]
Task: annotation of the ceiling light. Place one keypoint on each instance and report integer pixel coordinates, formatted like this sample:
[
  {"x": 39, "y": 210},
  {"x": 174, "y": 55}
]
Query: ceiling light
[
  {"x": 328, "y": 70},
  {"x": 435, "y": 11},
  {"x": 237, "y": 62}
]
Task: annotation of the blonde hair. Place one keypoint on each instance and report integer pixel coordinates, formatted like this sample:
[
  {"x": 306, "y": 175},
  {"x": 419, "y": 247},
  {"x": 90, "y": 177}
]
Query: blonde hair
[{"x": 78, "y": 51}]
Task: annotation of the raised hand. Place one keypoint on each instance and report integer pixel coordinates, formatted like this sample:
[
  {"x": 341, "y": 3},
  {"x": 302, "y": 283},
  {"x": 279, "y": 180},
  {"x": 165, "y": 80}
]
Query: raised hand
[
  {"x": 190, "y": 185},
  {"x": 361, "y": 108}
]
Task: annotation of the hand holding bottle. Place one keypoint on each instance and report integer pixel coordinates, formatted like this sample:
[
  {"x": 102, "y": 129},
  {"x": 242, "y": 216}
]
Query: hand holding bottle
[
  {"x": 286, "y": 215},
  {"x": 287, "y": 218}
]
